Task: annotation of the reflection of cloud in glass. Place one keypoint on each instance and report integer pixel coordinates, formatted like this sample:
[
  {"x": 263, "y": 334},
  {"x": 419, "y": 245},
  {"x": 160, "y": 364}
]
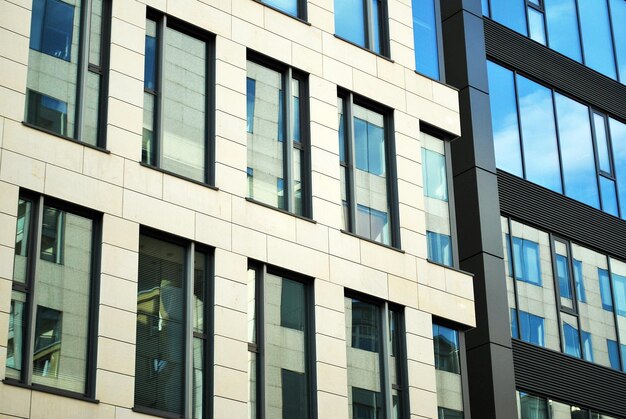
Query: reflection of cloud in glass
[
  {"x": 618, "y": 140},
  {"x": 579, "y": 170},
  {"x": 562, "y": 27},
  {"x": 539, "y": 134}
]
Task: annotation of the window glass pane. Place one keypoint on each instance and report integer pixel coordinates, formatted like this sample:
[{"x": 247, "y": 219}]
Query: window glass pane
[
  {"x": 343, "y": 141},
  {"x": 365, "y": 367},
  {"x": 439, "y": 247},
  {"x": 485, "y": 7},
  {"x": 563, "y": 274},
  {"x": 504, "y": 119},
  {"x": 578, "y": 281},
  {"x": 295, "y": 96},
  {"x": 536, "y": 26},
  {"x": 53, "y": 65},
  {"x": 425, "y": 38},
  {"x": 252, "y": 387},
  {"x": 618, "y": 137},
  {"x": 160, "y": 353},
  {"x": 184, "y": 105},
  {"x": 350, "y": 21},
  {"x": 510, "y": 285},
  {"x": 375, "y": 39},
  {"x": 531, "y": 407},
  {"x": 539, "y": 134},
  {"x": 602, "y": 142},
  {"x": 91, "y": 109},
  {"x": 448, "y": 371},
  {"x": 565, "y": 411},
  {"x": 510, "y": 13},
  {"x": 396, "y": 363},
  {"x": 595, "y": 29},
  {"x": 618, "y": 16},
  {"x": 571, "y": 338},
  {"x": 151, "y": 56},
  {"x": 265, "y": 150},
  {"x": 250, "y": 98},
  {"x": 579, "y": 167},
  {"x": 200, "y": 281},
  {"x": 285, "y": 348},
  {"x": 17, "y": 335},
  {"x": 287, "y": 6},
  {"x": 22, "y": 240},
  {"x": 96, "y": 29},
  {"x": 252, "y": 332},
  {"x": 62, "y": 306},
  {"x": 587, "y": 346},
  {"x": 562, "y": 23},
  {"x": 297, "y": 179},
  {"x": 618, "y": 277},
  {"x": 609, "y": 196},
  {"x": 148, "y": 146},
  {"x": 605, "y": 289},
  {"x": 434, "y": 170},
  {"x": 198, "y": 377}
]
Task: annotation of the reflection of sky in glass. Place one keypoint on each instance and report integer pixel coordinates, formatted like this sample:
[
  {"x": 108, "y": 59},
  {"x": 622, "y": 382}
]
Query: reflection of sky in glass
[
  {"x": 504, "y": 119},
  {"x": 539, "y": 134},
  {"x": 609, "y": 197},
  {"x": 596, "y": 34},
  {"x": 535, "y": 22},
  {"x": 579, "y": 171},
  {"x": 287, "y": 6},
  {"x": 511, "y": 13},
  {"x": 563, "y": 27},
  {"x": 618, "y": 13},
  {"x": 618, "y": 137},
  {"x": 349, "y": 20},
  {"x": 425, "y": 38}
]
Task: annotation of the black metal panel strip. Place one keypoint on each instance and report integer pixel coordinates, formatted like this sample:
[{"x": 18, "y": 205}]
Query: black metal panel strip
[
  {"x": 566, "y": 75},
  {"x": 562, "y": 377},
  {"x": 559, "y": 214}
]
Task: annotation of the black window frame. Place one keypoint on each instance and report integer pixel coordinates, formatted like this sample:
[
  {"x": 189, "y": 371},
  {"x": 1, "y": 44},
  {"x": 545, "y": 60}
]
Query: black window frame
[
  {"x": 368, "y": 24},
  {"x": 28, "y": 288},
  {"x": 288, "y": 74},
  {"x": 258, "y": 348},
  {"x": 83, "y": 68},
  {"x": 191, "y": 248},
  {"x": 348, "y": 100},
  {"x": 162, "y": 21}
]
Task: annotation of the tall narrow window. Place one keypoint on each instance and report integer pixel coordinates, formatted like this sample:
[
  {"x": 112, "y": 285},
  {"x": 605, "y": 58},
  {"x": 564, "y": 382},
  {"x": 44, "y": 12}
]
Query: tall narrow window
[
  {"x": 363, "y": 22},
  {"x": 436, "y": 206},
  {"x": 374, "y": 339},
  {"x": 426, "y": 37},
  {"x": 448, "y": 372},
  {"x": 277, "y": 137},
  {"x": 67, "y": 68},
  {"x": 367, "y": 172},
  {"x": 280, "y": 343},
  {"x": 171, "y": 373},
  {"x": 177, "y": 99},
  {"x": 51, "y": 323}
]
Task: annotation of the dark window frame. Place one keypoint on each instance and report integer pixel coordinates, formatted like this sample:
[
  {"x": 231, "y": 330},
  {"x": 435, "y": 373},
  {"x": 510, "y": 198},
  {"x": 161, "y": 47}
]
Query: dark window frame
[
  {"x": 348, "y": 100},
  {"x": 301, "y": 14},
  {"x": 28, "y": 288},
  {"x": 260, "y": 270},
  {"x": 163, "y": 21},
  {"x": 368, "y": 24},
  {"x": 190, "y": 248}
]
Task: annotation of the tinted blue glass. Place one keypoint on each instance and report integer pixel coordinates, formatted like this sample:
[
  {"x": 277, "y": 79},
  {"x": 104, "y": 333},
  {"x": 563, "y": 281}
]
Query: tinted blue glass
[
  {"x": 536, "y": 27},
  {"x": 250, "y": 98},
  {"x": 619, "y": 291},
  {"x": 434, "y": 171},
  {"x": 609, "y": 197},
  {"x": 485, "y": 7},
  {"x": 526, "y": 261},
  {"x": 425, "y": 38},
  {"x": 587, "y": 346},
  {"x": 531, "y": 328},
  {"x": 605, "y": 289},
  {"x": 579, "y": 167},
  {"x": 504, "y": 119},
  {"x": 562, "y": 271},
  {"x": 342, "y": 139},
  {"x": 439, "y": 248},
  {"x": 596, "y": 36},
  {"x": 602, "y": 141},
  {"x": 539, "y": 134},
  {"x": 511, "y": 13},
  {"x": 446, "y": 344},
  {"x": 375, "y": 38},
  {"x": 618, "y": 16},
  {"x": 572, "y": 342},
  {"x": 578, "y": 281},
  {"x": 287, "y": 6},
  {"x": 562, "y": 25},
  {"x": 149, "y": 74},
  {"x": 514, "y": 327},
  {"x": 623, "y": 349},
  {"x": 350, "y": 20},
  {"x": 52, "y": 28},
  {"x": 611, "y": 347},
  {"x": 296, "y": 119},
  {"x": 369, "y": 143},
  {"x": 618, "y": 137}
]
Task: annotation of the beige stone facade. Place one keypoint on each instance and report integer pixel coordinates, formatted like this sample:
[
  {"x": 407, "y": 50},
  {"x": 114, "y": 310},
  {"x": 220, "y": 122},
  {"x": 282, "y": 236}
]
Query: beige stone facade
[{"x": 130, "y": 195}]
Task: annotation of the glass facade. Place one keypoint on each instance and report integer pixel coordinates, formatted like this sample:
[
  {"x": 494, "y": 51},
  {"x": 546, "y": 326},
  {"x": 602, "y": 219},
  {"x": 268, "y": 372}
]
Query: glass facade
[
  {"x": 536, "y": 407},
  {"x": 574, "y": 28},
  {"x": 557, "y": 142},
  {"x": 363, "y": 22},
  {"x": 48, "y": 333},
  {"x": 66, "y": 69},
  {"x": 275, "y": 137},
  {"x": 448, "y": 372}
]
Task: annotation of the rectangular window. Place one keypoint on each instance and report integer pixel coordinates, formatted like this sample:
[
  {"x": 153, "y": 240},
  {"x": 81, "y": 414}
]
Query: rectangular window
[
  {"x": 52, "y": 320},
  {"x": 436, "y": 205},
  {"x": 296, "y": 8},
  {"x": 526, "y": 261},
  {"x": 68, "y": 68},
  {"x": 367, "y": 171},
  {"x": 562, "y": 266},
  {"x": 178, "y": 99},
  {"x": 448, "y": 372},
  {"x": 364, "y": 23},
  {"x": 531, "y": 407},
  {"x": 375, "y": 341},
  {"x": 278, "y": 136},
  {"x": 426, "y": 35},
  {"x": 172, "y": 373},
  {"x": 280, "y": 345}
]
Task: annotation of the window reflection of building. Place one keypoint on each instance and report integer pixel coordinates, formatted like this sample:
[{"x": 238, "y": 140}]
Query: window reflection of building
[{"x": 448, "y": 372}]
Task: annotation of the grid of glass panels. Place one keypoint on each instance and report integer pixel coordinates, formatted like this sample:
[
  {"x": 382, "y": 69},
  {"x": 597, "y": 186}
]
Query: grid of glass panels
[
  {"x": 579, "y": 308},
  {"x": 556, "y": 142},
  {"x": 574, "y": 28}
]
